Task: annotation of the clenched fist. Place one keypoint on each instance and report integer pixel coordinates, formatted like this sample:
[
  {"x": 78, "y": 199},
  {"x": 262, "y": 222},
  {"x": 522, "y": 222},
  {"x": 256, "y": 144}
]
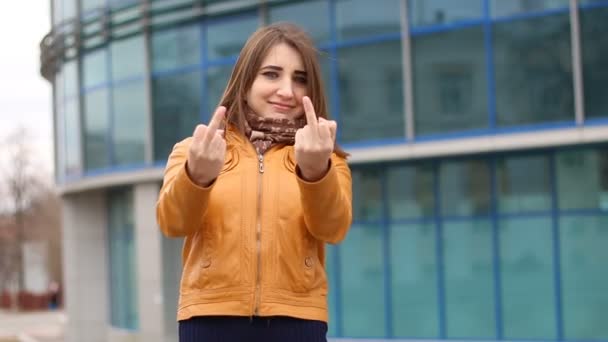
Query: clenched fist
[
  {"x": 207, "y": 151},
  {"x": 314, "y": 144}
]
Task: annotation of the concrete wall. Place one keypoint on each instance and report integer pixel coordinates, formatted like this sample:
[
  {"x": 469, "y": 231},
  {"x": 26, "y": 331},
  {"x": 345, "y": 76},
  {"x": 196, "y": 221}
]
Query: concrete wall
[{"x": 85, "y": 266}]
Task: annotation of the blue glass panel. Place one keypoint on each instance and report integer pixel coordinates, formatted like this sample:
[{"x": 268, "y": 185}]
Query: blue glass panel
[
  {"x": 532, "y": 59},
  {"x": 95, "y": 68},
  {"x": 96, "y": 125},
  {"x": 360, "y": 18},
  {"x": 334, "y": 291},
  {"x": 225, "y": 38},
  {"x": 410, "y": 191},
  {"x": 371, "y": 92},
  {"x": 582, "y": 179},
  {"x": 523, "y": 184},
  {"x": 362, "y": 282},
  {"x": 449, "y": 79},
  {"x": 594, "y": 25},
  {"x": 176, "y": 101},
  {"x": 130, "y": 123},
  {"x": 122, "y": 268},
  {"x": 176, "y": 47},
  {"x": 440, "y": 12},
  {"x": 469, "y": 279},
  {"x": 128, "y": 57},
  {"x": 584, "y": 276},
  {"x": 414, "y": 274},
  {"x": 92, "y": 4},
  {"x": 513, "y": 7},
  {"x": 367, "y": 194},
  {"x": 312, "y": 15},
  {"x": 526, "y": 264},
  {"x": 217, "y": 79},
  {"x": 465, "y": 188}
]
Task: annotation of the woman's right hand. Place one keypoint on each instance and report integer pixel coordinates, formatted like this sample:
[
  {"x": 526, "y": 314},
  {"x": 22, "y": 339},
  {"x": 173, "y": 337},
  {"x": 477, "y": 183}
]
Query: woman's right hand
[{"x": 207, "y": 151}]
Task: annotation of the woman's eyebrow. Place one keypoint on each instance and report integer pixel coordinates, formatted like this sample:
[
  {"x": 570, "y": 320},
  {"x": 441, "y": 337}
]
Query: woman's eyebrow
[
  {"x": 273, "y": 67},
  {"x": 278, "y": 68}
]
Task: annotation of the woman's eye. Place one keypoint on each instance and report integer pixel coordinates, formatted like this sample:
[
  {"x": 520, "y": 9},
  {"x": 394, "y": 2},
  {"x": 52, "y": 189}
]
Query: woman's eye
[
  {"x": 301, "y": 80},
  {"x": 270, "y": 74}
]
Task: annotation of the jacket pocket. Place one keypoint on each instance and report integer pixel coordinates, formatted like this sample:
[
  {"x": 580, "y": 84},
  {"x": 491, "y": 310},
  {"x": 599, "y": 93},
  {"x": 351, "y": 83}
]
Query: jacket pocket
[
  {"x": 296, "y": 262},
  {"x": 215, "y": 261}
]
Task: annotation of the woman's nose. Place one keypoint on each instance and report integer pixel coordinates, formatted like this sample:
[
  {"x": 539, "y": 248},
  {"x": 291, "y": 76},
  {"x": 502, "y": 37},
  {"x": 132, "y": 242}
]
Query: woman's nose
[{"x": 285, "y": 89}]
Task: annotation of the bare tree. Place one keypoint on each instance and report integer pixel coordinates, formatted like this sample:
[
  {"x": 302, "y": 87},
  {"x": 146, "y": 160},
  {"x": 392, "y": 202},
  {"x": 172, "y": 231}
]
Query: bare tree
[{"x": 22, "y": 182}]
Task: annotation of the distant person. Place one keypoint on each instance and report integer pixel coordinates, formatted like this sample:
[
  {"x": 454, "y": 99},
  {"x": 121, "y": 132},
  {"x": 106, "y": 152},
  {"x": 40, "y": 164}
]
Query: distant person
[
  {"x": 53, "y": 295},
  {"x": 258, "y": 201}
]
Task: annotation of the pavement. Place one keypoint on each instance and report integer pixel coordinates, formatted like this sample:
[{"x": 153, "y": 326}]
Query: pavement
[{"x": 40, "y": 326}]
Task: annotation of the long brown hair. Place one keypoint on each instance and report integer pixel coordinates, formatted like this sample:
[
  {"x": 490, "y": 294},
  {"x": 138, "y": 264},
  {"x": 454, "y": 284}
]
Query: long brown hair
[{"x": 250, "y": 59}]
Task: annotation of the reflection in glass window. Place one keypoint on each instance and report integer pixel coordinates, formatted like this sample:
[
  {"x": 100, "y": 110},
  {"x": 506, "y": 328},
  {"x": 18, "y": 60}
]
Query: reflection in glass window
[
  {"x": 371, "y": 92},
  {"x": 511, "y": 7},
  {"x": 450, "y": 88},
  {"x": 533, "y": 71},
  {"x": 312, "y": 15},
  {"x": 362, "y": 282},
  {"x": 465, "y": 188},
  {"x": 584, "y": 277},
  {"x": 582, "y": 179},
  {"x": 176, "y": 110},
  {"x": 469, "y": 279},
  {"x": 121, "y": 3},
  {"x": 176, "y": 47},
  {"x": 360, "y": 18},
  {"x": 96, "y": 122},
  {"x": 413, "y": 267},
  {"x": 367, "y": 194},
  {"x": 440, "y": 12},
  {"x": 72, "y": 138},
  {"x": 128, "y": 57},
  {"x": 129, "y": 124},
  {"x": 410, "y": 191},
  {"x": 594, "y": 25},
  {"x": 123, "y": 286},
  {"x": 217, "y": 79},
  {"x": 95, "y": 68},
  {"x": 226, "y": 37},
  {"x": 526, "y": 265},
  {"x": 523, "y": 184},
  {"x": 88, "y": 5}
]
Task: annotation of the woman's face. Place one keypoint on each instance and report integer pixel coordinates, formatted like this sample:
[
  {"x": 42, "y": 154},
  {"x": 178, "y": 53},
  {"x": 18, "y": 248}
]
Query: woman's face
[{"x": 279, "y": 85}]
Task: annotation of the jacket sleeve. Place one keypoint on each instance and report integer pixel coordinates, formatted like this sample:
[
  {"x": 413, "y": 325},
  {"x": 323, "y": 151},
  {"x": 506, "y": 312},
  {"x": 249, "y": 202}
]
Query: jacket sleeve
[
  {"x": 181, "y": 203},
  {"x": 327, "y": 203}
]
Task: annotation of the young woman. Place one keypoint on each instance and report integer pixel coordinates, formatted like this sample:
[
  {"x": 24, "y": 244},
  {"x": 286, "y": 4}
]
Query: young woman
[{"x": 257, "y": 200}]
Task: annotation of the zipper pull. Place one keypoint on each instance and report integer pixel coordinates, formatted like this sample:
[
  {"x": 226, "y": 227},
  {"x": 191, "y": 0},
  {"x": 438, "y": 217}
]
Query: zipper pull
[{"x": 261, "y": 162}]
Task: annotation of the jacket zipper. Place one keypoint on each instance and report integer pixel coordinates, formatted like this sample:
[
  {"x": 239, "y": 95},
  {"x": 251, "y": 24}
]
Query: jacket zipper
[{"x": 256, "y": 298}]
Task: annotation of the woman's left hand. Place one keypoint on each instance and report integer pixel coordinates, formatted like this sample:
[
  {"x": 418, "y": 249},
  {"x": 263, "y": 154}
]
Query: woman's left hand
[{"x": 314, "y": 144}]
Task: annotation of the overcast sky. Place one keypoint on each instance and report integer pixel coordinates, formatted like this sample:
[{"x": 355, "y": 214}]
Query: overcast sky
[{"x": 25, "y": 97}]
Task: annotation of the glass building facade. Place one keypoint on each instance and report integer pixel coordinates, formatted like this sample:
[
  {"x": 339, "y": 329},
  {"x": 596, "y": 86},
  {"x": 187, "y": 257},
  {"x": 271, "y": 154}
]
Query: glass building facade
[{"x": 498, "y": 245}]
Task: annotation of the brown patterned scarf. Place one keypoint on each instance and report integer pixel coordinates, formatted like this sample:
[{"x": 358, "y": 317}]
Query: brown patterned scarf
[{"x": 267, "y": 132}]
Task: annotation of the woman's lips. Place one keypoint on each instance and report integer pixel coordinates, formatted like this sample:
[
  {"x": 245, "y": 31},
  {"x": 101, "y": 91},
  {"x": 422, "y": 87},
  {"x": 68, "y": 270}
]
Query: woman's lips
[{"x": 281, "y": 107}]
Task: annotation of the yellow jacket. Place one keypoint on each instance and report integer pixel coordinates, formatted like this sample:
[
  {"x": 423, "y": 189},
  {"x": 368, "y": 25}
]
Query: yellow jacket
[{"x": 255, "y": 238}]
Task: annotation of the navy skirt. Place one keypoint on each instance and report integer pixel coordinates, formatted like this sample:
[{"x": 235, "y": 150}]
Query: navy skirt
[{"x": 260, "y": 329}]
